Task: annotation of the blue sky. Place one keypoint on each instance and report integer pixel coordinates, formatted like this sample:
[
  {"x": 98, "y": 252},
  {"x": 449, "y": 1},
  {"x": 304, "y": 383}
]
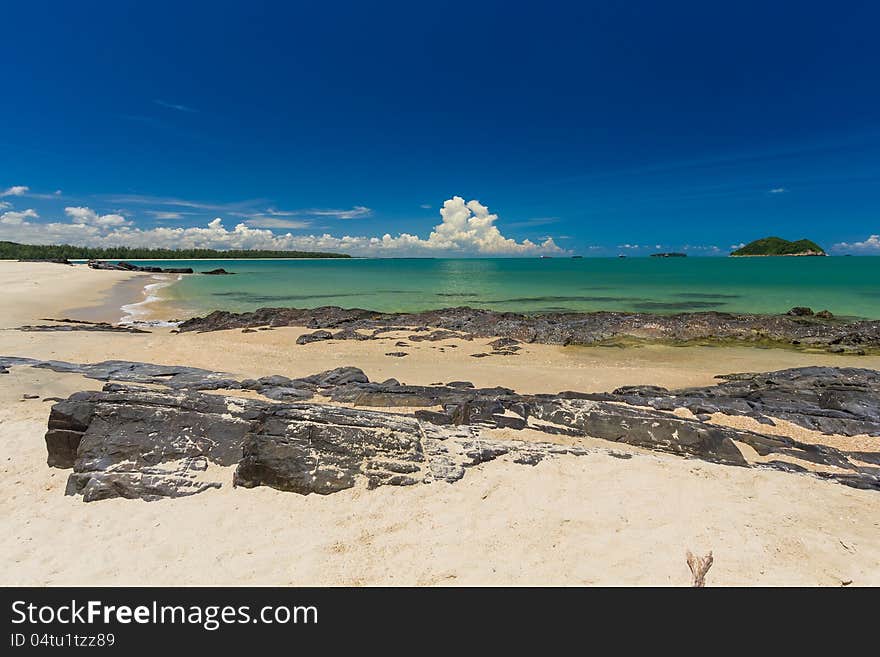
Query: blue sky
[{"x": 608, "y": 127}]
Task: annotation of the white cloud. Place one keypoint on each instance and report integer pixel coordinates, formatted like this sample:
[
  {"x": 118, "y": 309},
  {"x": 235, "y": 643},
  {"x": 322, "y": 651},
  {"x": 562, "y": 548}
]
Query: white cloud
[
  {"x": 245, "y": 209},
  {"x": 466, "y": 228},
  {"x": 425, "y": 206},
  {"x": 175, "y": 106},
  {"x": 357, "y": 212},
  {"x": 4, "y": 205},
  {"x": 708, "y": 248},
  {"x": 12, "y": 218},
  {"x": 470, "y": 226},
  {"x": 870, "y": 245},
  {"x": 15, "y": 190},
  {"x": 778, "y": 190},
  {"x": 274, "y": 222},
  {"x": 81, "y": 215},
  {"x": 164, "y": 216}
]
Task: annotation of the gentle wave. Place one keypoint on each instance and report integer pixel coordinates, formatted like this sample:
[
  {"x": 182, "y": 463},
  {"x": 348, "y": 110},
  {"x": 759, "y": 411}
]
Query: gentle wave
[{"x": 135, "y": 312}]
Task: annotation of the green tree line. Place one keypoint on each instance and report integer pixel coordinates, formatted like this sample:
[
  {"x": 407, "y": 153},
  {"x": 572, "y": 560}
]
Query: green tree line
[{"x": 14, "y": 251}]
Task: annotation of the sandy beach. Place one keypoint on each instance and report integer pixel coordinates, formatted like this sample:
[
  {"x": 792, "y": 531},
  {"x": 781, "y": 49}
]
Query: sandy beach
[{"x": 596, "y": 519}]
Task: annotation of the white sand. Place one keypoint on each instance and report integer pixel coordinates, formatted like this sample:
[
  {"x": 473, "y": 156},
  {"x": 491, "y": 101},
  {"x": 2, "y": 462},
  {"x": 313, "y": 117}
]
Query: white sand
[{"x": 588, "y": 520}]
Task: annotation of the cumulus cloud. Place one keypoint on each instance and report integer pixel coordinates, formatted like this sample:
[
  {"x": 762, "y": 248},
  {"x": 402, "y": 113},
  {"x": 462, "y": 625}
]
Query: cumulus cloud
[
  {"x": 870, "y": 245},
  {"x": 13, "y": 218},
  {"x": 466, "y": 228},
  {"x": 15, "y": 190},
  {"x": 469, "y": 225},
  {"x": 88, "y": 216}
]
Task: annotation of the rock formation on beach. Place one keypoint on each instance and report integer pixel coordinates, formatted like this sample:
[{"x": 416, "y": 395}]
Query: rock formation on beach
[
  {"x": 127, "y": 266},
  {"x": 805, "y": 330},
  {"x": 154, "y": 431}
]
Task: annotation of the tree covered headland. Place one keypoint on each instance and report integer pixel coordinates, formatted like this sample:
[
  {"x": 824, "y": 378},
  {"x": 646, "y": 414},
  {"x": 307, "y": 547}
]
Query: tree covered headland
[
  {"x": 775, "y": 246},
  {"x": 14, "y": 251}
]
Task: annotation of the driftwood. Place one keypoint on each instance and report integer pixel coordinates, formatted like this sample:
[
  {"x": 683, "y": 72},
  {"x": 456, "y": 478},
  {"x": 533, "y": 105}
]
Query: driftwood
[{"x": 699, "y": 567}]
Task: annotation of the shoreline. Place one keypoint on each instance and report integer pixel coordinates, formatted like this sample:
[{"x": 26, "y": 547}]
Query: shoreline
[
  {"x": 137, "y": 300},
  {"x": 154, "y": 307},
  {"x": 130, "y": 301}
]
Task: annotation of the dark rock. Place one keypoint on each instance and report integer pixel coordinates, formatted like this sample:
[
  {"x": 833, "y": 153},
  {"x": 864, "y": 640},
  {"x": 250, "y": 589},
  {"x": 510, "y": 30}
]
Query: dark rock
[
  {"x": 350, "y": 334},
  {"x": 218, "y": 272},
  {"x": 824, "y": 314},
  {"x": 843, "y": 401},
  {"x": 133, "y": 372},
  {"x": 572, "y": 328},
  {"x": 339, "y": 376},
  {"x": 503, "y": 343},
  {"x": 286, "y": 393},
  {"x": 317, "y": 336},
  {"x": 79, "y": 325},
  {"x": 133, "y": 441},
  {"x": 127, "y": 266},
  {"x": 274, "y": 380},
  {"x": 248, "y": 330},
  {"x": 142, "y": 443},
  {"x": 800, "y": 311},
  {"x": 434, "y": 336},
  {"x": 397, "y": 354}
]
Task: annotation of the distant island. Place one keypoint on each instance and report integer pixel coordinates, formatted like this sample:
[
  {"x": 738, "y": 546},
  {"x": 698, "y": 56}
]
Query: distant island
[
  {"x": 776, "y": 246},
  {"x": 15, "y": 251},
  {"x": 669, "y": 255}
]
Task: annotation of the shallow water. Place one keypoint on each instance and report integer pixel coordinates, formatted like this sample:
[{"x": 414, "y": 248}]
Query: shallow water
[{"x": 848, "y": 286}]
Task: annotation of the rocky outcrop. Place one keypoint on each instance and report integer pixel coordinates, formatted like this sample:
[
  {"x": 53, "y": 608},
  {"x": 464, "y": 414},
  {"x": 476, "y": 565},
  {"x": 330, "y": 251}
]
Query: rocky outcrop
[
  {"x": 317, "y": 336},
  {"x": 218, "y": 272},
  {"x": 79, "y": 325},
  {"x": 843, "y": 401},
  {"x": 820, "y": 331},
  {"x": 132, "y": 441},
  {"x": 127, "y": 266},
  {"x": 139, "y": 443}
]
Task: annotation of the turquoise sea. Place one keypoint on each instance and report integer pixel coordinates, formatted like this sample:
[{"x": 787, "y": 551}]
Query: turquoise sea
[{"x": 848, "y": 286}]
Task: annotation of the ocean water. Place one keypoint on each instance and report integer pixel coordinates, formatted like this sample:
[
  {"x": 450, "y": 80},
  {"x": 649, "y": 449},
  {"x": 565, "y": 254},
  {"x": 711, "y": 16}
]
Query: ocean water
[{"x": 847, "y": 286}]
